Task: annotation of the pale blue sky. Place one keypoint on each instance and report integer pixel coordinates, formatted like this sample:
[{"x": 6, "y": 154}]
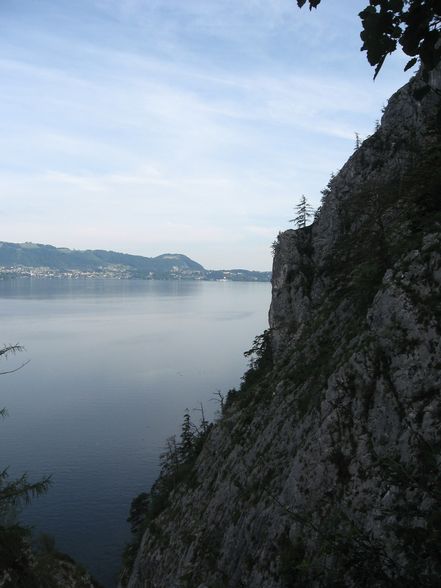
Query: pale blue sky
[{"x": 190, "y": 126}]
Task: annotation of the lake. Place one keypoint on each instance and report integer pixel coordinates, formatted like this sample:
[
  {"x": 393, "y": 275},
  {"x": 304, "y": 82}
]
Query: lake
[{"x": 113, "y": 366}]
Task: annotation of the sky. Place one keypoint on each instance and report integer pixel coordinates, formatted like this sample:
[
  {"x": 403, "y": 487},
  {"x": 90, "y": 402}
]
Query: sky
[{"x": 181, "y": 126}]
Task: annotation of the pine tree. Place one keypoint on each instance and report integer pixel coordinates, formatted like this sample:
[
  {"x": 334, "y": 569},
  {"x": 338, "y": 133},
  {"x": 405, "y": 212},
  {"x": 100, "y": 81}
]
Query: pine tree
[
  {"x": 357, "y": 142},
  {"x": 187, "y": 437},
  {"x": 304, "y": 212},
  {"x": 17, "y": 560},
  {"x": 14, "y": 492}
]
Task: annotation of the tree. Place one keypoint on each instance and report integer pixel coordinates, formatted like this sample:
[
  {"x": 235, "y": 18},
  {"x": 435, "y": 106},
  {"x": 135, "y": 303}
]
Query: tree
[
  {"x": 17, "y": 561},
  {"x": 358, "y": 142},
  {"x": 304, "y": 212},
  {"x": 13, "y": 492},
  {"x": 415, "y": 25},
  {"x": 8, "y": 350},
  {"x": 187, "y": 437}
]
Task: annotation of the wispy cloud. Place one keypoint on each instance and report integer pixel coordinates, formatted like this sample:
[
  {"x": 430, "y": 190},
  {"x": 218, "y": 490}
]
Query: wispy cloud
[{"x": 136, "y": 123}]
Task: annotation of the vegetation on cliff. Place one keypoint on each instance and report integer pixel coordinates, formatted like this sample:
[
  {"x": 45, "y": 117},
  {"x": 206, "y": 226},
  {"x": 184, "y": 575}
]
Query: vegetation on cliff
[
  {"x": 324, "y": 468},
  {"x": 177, "y": 470}
]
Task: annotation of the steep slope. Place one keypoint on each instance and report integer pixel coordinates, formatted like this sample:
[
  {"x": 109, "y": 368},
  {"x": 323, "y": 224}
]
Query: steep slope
[{"x": 324, "y": 469}]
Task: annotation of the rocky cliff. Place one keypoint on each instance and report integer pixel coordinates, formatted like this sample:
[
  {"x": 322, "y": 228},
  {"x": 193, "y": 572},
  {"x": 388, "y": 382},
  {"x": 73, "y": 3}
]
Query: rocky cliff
[{"x": 324, "y": 469}]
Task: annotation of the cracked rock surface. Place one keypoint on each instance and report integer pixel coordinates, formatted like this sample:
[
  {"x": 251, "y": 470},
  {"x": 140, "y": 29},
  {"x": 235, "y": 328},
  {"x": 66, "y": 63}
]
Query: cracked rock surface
[{"x": 324, "y": 469}]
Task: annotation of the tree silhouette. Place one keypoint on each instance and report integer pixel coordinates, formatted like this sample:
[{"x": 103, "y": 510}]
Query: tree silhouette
[
  {"x": 17, "y": 560},
  {"x": 415, "y": 25},
  {"x": 19, "y": 490},
  {"x": 304, "y": 212},
  {"x": 187, "y": 437}
]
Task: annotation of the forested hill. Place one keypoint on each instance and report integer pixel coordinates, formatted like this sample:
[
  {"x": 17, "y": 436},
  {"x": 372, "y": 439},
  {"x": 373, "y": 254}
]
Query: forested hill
[
  {"x": 61, "y": 258},
  {"x": 34, "y": 259}
]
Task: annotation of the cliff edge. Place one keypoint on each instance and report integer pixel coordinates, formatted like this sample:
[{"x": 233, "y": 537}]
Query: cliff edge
[{"x": 324, "y": 469}]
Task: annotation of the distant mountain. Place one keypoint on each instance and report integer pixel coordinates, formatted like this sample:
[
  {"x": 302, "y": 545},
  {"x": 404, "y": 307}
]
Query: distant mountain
[
  {"x": 37, "y": 260},
  {"x": 60, "y": 258}
]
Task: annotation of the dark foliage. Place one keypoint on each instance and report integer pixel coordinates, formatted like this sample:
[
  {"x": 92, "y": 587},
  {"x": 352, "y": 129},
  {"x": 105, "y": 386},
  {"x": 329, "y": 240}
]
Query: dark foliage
[
  {"x": 177, "y": 463},
  {"x": 15, "y": 556},
  {"x": 260, "y": 362},
  {"x": 414, "y": 25},
  {"x": 304, "y": 213}
]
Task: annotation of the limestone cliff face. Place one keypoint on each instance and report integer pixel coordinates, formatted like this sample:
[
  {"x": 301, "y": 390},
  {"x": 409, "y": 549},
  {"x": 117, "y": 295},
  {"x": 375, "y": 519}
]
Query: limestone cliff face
[{"x": 324, "y": 469}]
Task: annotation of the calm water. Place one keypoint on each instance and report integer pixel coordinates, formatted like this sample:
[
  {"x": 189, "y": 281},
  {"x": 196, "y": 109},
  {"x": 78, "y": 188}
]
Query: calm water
[{"x": 114, "y": 364}]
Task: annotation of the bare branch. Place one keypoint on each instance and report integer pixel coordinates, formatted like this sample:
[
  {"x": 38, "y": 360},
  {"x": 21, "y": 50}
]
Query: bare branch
[{"x": 16, "y": 369}]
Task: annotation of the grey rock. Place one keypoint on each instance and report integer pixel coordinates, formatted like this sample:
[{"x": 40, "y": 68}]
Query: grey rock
[{"x": 320, "y": 467}]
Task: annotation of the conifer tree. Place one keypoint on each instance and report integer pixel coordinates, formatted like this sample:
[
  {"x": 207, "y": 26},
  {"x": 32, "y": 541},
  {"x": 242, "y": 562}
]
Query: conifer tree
[
  {"x": 357, "y": 142},
  {"x": 12, "y": 492},
  {"x": 304, "y": 212},
  {"x": 17, "y": 560},
  {"x": 187, "y": 437}
]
